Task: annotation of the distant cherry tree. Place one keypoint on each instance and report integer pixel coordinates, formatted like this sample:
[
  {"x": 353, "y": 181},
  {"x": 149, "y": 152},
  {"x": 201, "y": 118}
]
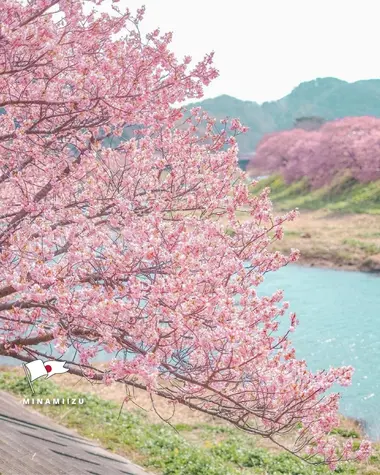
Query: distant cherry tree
[
  {"x": 351, "y": 144},
  {"x": 288, "y": 153},
  {"x": 135, "y": 249}
]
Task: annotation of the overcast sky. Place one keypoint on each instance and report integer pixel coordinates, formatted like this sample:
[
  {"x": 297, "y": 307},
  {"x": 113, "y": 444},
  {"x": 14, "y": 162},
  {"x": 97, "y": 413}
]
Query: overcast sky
[{"x": 265, "y": 48}]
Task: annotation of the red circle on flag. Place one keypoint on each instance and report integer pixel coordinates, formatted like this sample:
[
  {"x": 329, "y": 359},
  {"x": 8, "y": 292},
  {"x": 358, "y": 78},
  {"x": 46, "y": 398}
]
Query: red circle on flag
[{"x": 48, "y": 368}]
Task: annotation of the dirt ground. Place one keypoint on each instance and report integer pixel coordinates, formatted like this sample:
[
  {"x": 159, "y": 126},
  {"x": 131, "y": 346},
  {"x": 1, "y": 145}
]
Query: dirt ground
[
  {"x": 327, "y": 239},
  {"x": 156, "y": 409}
]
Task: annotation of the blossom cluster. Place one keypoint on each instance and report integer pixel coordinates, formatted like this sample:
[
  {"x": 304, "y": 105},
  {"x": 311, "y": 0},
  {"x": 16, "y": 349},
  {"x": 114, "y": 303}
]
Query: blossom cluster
[
  {"x": 138, "y": 248},
  {"x": 351, "y": 145}
]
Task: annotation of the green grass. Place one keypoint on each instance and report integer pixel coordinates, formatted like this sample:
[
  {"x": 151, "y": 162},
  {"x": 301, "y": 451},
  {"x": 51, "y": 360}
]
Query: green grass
[
  {"x": 293, "y": 233},
  {"x": 348, "y": 433},
  {"x": 369, "y": 235},
  {"x": 217, "y": 450},
  {"x": 343, "y": 194},
  {"x": 367, "y": 247}
]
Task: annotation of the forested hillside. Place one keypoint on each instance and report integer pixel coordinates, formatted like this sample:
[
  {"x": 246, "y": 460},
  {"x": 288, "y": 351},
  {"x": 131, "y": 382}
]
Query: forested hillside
[{"x": 329, "y": 98}]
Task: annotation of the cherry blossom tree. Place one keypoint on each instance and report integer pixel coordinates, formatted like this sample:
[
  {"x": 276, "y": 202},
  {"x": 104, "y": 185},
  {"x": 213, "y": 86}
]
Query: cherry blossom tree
[
  {"x": 346, "y": 145},
  {"x": 351, "y": 144},
  {"x": 288, "y": 153},
  {"x": 136, "y": 250}
]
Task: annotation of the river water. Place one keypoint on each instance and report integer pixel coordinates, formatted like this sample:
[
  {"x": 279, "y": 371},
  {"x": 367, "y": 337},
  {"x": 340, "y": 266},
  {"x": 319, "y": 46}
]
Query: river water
[{"x": 339, "y": 314}]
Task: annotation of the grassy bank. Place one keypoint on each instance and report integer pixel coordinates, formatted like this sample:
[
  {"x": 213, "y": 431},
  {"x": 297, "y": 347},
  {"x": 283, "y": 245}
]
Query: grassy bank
[
  {"x": 344, "y": 195},
  {"x": 188, "y": 448},
  {"x": 338, "y": 226}
]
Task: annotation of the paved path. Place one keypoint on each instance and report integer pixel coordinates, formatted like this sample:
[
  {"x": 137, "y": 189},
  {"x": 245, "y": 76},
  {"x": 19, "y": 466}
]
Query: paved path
[{"x": 32, "y": 444}]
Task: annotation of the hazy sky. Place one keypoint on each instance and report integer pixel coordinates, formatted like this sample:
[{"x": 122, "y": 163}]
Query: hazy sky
[{"x": 264, "y": 48}]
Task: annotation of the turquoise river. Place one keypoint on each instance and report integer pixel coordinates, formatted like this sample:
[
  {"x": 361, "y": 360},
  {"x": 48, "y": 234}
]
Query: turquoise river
[{"x": 339, "y": 314}]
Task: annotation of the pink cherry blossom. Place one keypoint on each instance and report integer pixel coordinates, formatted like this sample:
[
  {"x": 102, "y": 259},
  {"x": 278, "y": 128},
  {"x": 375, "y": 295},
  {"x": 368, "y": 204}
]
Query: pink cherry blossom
[
  {"x": 350, "y": 145},
  {"x": 136, "y": 247}
]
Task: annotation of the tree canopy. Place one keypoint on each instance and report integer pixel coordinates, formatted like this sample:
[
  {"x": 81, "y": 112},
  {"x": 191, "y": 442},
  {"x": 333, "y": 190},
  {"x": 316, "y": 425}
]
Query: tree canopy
[
  {"x": 347, "y": 145},
  {"x": 137, "y": 250}
]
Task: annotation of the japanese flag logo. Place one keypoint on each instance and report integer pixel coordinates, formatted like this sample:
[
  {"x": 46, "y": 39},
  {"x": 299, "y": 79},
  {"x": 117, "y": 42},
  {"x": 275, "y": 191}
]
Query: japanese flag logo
[{"x": 37, "y": 369}]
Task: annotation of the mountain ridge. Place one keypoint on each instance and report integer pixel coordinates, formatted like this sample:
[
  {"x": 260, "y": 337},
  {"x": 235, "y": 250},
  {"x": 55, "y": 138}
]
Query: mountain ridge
[{"x": 329, "y": 98}]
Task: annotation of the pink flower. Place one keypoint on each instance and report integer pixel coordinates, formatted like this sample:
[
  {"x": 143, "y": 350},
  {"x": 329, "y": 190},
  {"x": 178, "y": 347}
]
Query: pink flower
[{"x": 123, "y": 226}]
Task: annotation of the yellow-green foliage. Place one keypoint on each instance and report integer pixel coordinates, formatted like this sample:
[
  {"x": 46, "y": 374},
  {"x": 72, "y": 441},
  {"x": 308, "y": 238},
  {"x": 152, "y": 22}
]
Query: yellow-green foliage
[{"x": 343, "y": 194}]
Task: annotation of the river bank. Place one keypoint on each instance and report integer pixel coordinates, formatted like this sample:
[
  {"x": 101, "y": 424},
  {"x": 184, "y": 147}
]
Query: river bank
[
  {"x": 191, "y": 444},
  {"x": 159, "y": 409},
  {"x": 334, "y": 240}
]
